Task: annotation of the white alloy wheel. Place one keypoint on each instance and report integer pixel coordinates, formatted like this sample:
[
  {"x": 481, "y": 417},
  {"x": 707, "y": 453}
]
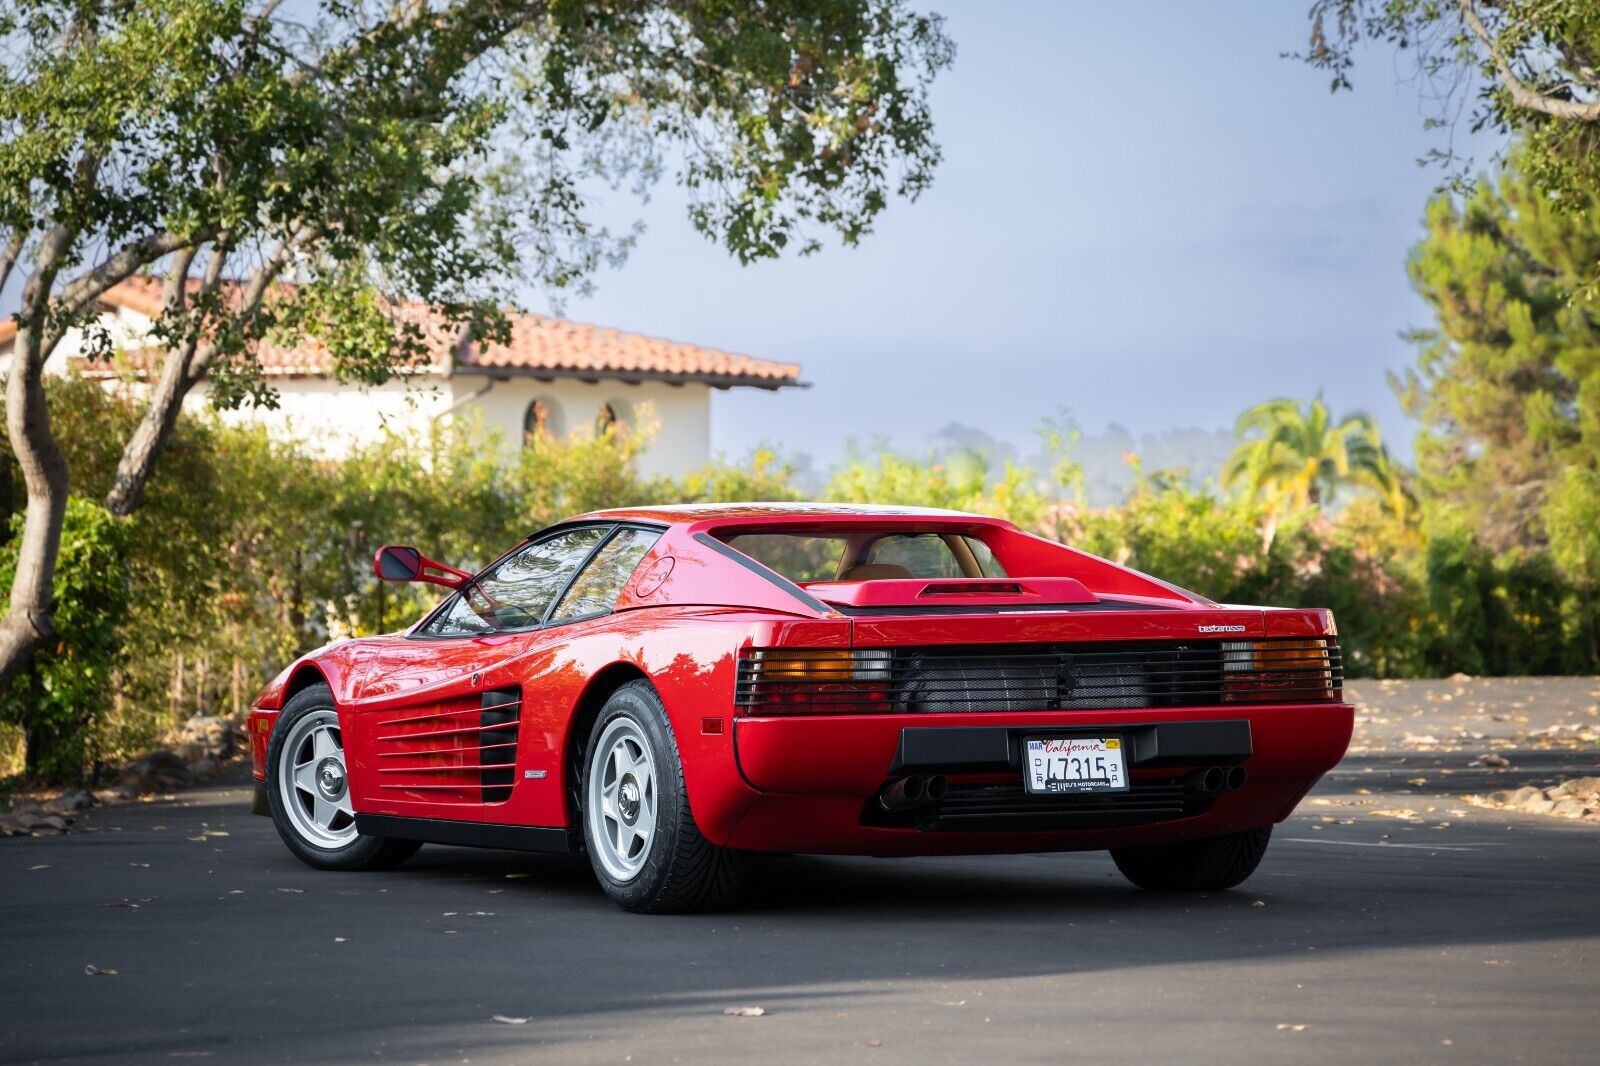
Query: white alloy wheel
[
  {"x": 622, "y": 798},
  {"x": 313, "y": 784}
]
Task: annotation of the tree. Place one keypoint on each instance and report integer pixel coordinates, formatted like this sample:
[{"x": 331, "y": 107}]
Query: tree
[
  {"x": 292, "y": 175},
  {"x": 1299, "y": 457},
  {"x": 1528, "y": 67},
  {"x": 1508, "y": 382}
]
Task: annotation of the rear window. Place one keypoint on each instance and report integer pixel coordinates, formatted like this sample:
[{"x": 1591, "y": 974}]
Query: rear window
[
  {"x": 868, "y": 555},
  {"x": 796, "y": 556},
  {"x": 919, "y": 554}
]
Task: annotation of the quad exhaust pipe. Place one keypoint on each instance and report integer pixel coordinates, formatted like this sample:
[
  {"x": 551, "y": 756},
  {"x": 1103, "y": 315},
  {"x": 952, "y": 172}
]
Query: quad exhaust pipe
[
  {"x": 1217, "y": 779},
  {"x": 908, "y": 793}
]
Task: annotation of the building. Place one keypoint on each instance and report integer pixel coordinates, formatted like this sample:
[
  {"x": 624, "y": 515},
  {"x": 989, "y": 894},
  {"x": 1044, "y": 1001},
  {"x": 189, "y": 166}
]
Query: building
[{"x": 553, "y": 375}]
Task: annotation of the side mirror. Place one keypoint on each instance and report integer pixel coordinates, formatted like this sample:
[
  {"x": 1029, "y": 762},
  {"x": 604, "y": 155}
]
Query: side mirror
[{"x": 401, "y": 562}]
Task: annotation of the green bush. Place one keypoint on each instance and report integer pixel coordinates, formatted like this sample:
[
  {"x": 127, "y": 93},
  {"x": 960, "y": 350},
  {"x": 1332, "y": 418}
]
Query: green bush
[
  {"x": 251, "y": 550},
  {"x": 63, "y": 693}
]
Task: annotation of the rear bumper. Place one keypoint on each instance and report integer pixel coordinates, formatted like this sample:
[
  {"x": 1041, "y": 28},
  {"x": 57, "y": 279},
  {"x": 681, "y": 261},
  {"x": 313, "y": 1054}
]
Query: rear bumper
[{"x": 816, "y": 778}]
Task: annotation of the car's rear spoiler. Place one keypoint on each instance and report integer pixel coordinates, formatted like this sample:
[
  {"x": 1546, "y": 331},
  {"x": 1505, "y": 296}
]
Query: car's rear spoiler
[{"x": 953, "y": 592}]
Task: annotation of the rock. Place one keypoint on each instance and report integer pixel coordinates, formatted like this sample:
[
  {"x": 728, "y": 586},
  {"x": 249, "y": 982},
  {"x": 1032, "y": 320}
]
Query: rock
[
  {"x": 190, "y": 750},
  {"x": 1584, "y": 788},
  {"x": 1489, "y": 758},
  {"x": 202, "y": 768},
  {"x": 1569, "y": 808},
  {"x": 11, "y": 827},
  {"x": 1526, "y": 794},
  {"x": 1539, "y": 807},
  {"x": 81, "y": 800},
  {"x": 52, "y": 822},
  {"x": 1503, "y": 798},
  {"x": 162, "y": 761}
]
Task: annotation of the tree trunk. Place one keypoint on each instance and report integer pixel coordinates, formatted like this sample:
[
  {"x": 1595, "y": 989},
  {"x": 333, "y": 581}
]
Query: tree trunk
[{"x": 30, "y": 621}]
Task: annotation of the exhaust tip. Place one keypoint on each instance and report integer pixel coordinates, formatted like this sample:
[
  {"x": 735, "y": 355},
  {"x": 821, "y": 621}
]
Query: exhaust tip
[
  {"x": 1237, "y": 776},
  {"x": 935, "y": 788},
  {"x": 1213, "y": 780},
  {"x": 903, "y": 794}
]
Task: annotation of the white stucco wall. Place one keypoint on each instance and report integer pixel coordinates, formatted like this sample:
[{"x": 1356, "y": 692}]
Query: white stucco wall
[
  {"x": 330, "y": 417},
  {"x": 681, "y": 414}
]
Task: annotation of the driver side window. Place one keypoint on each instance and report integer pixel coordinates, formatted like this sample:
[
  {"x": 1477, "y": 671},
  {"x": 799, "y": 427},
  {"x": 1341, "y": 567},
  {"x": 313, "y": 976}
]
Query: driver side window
[{"x": 516, "y": 593}]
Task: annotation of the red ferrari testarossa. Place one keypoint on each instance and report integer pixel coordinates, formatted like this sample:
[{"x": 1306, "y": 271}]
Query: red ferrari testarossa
[{"x": 674, "y": 689}]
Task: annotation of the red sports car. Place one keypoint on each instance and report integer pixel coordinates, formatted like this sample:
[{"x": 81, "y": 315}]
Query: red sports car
[{"x": 674, "y": 689}]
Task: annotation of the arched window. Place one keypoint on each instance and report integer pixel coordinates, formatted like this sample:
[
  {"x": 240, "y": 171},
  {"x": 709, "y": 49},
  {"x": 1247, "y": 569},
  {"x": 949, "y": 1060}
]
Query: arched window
[{"x": 535, "y": 422}]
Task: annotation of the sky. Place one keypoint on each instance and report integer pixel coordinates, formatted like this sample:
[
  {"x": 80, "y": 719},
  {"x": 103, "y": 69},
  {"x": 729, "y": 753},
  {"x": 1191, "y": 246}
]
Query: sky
[{"x": 1145, "y": 216}]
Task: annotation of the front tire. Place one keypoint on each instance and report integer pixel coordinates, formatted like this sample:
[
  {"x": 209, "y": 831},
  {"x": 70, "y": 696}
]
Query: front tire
[
  {"x": 1210, "y": 864},
  {"x": 646, "y": 850},
  {"x": 308, "y": 790}
]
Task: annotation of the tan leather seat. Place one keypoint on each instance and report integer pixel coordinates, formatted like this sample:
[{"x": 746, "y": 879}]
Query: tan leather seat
[{"x": 876, "y": 572}]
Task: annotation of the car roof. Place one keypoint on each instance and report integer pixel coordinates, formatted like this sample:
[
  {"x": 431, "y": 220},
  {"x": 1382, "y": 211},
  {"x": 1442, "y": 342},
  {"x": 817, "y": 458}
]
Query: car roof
[{"x": 687, "y": 513}]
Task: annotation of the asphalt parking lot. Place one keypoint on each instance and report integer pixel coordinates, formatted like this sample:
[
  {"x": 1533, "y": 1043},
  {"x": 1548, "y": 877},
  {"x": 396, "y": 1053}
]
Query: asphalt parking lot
[{"x": 1449, "y": 934}]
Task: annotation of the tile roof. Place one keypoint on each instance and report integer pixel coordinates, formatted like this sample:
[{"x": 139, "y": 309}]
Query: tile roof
[
  {"x": 539, "y": 347},
  {"x": 577, "y": 349}
]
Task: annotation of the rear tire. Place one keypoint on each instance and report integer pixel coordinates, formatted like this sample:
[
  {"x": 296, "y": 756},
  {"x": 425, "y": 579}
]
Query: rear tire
[
  {"x": 308, "y": 793},
  {"x": 646, "y": 850},
  {"x": 1210, "y": 864}
]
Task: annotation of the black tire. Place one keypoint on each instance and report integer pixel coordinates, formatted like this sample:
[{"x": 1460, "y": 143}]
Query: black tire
[
  {"x": 362, "y": 852},
  {"x": 680, "y": 871},
  {"x": 1210, "y": 864}
]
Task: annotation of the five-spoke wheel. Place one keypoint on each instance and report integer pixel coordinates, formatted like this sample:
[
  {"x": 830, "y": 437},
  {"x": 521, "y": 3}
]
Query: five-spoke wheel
[
  {"x": 622, "y": 788},
  {"x": 311, "y": 776},
  {"x": 643, "y": 843},
  {"x": 308, "y": 790}
]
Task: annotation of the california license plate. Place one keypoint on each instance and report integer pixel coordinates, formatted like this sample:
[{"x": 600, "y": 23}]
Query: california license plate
[{"x": 1053, "y": 765}]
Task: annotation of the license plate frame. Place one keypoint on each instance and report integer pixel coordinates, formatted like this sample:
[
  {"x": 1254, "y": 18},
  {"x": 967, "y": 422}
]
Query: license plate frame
[{"x": 1036, "y": 779}]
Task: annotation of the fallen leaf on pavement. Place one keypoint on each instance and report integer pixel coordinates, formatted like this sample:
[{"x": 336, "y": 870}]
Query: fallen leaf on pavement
[
  {"x": 296, "y": 890},
  {"x": 1288, "y": 1027},
  {"x": 745, "y": 1012},
  {"x": 509, "y": 1020},
  {"x": 41, "y": 866},
  {"x": 94, "y": 971}
]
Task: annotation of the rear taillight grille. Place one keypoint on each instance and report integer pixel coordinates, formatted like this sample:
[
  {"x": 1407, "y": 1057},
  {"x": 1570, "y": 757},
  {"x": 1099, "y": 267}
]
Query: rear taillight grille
[
  {"x": 456, "y": 751},
  {"x": 1028, "y": 677}
]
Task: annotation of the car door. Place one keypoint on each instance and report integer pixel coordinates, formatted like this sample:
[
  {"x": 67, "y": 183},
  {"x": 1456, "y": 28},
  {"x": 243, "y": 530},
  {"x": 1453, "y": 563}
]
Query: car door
[{"x": 435, "y": 730}]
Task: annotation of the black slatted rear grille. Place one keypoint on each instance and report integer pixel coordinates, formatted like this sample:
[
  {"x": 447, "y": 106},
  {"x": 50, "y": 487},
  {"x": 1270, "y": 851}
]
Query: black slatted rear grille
[
  {"x": 1008, "y": 807},
  {"x": 1027, "y": 677}
]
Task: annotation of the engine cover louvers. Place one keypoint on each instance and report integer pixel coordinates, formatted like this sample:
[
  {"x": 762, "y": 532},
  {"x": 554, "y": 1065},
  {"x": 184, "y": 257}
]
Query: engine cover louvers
[{"x": 455, "y": 751}]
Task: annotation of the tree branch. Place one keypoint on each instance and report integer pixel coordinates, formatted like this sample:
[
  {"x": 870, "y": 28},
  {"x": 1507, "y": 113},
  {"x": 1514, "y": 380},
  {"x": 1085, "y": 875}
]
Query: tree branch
[
  {"x": 1522, "y": 96},
  {"x": 121, "y": 265},
  {"x": 183, "y": 368},
  {"x": 8, "y": 258}
]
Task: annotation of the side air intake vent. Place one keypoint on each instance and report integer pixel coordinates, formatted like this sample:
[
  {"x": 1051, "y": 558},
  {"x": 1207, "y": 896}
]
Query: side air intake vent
[{"x": 456, "y": 751}]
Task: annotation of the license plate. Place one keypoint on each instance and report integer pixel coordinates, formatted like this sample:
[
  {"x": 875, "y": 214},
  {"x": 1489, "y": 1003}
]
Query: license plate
[{"x": 1053, "y": 765}]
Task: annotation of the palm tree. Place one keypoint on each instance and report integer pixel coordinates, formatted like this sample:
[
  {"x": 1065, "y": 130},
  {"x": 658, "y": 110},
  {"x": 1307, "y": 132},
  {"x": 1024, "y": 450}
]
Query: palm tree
[{"x": 1300, "y": 457}]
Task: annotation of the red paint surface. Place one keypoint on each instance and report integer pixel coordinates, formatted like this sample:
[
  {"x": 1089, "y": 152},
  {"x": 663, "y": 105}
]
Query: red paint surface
[{"x": 797, "y": 783}]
